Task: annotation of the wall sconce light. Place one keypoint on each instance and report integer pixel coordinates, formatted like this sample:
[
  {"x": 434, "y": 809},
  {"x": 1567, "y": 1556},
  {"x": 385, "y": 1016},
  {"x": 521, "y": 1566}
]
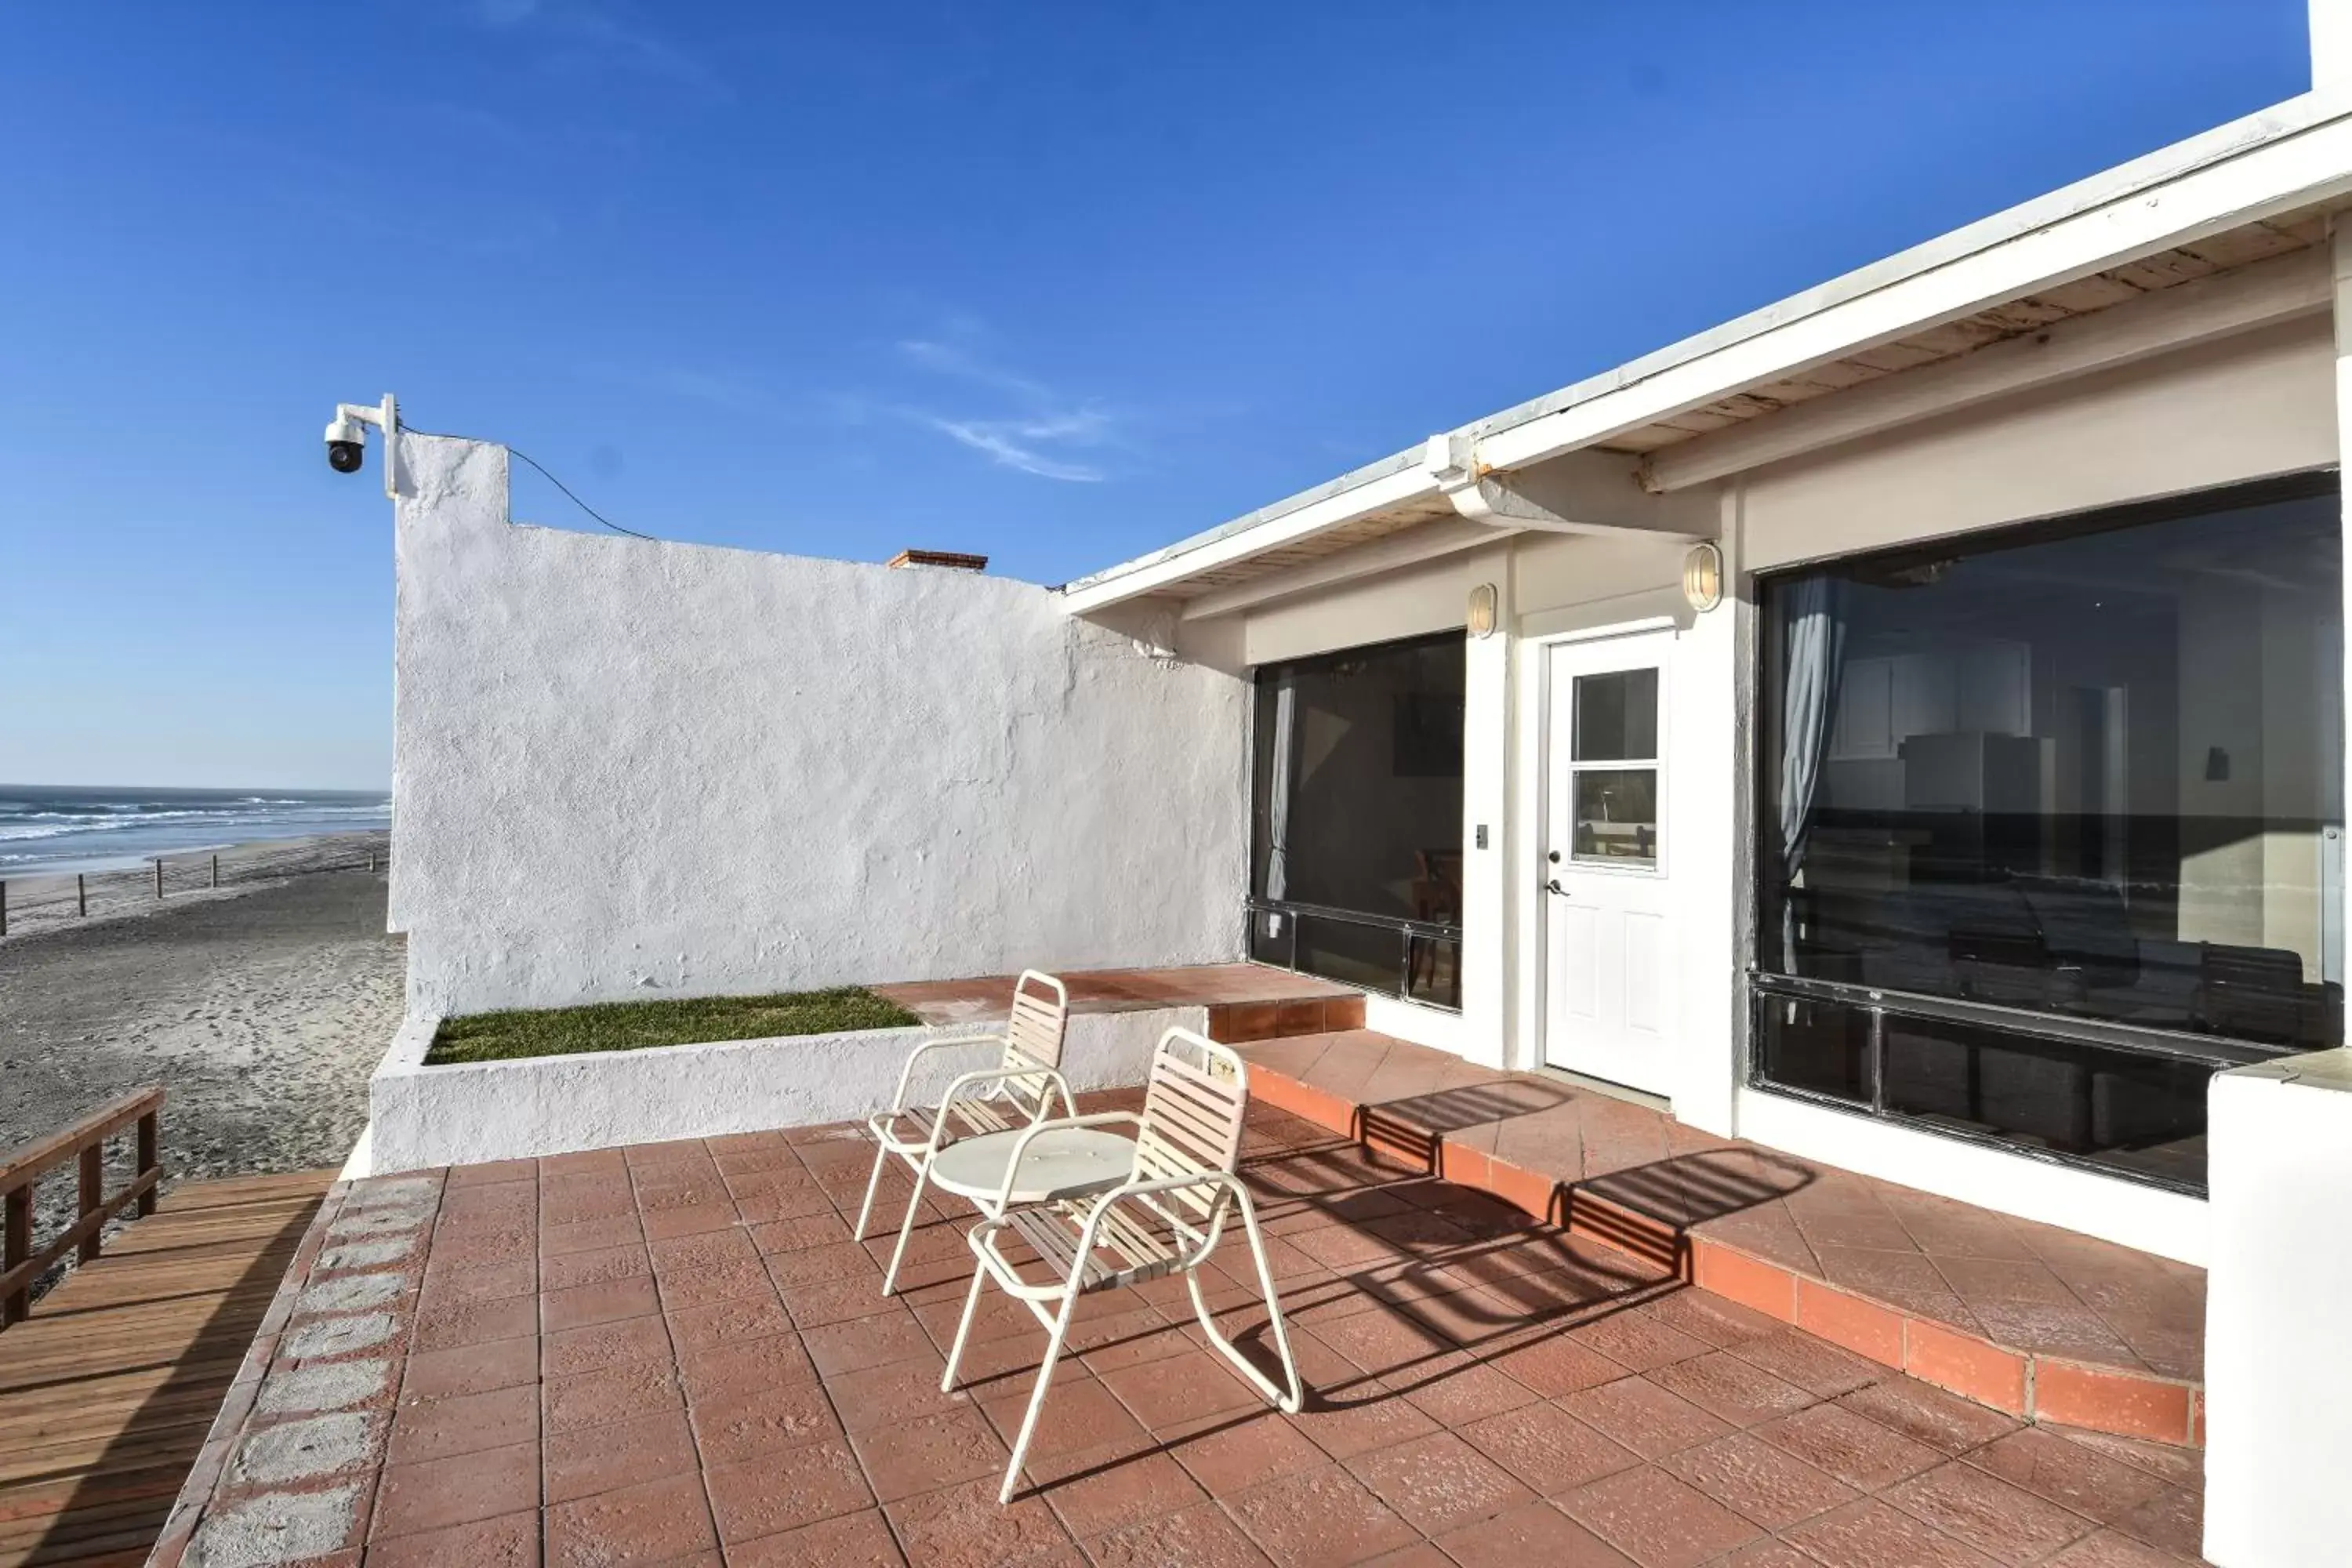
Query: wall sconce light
[
  {"x": 1703, "y": 576},
  {"x": 1482, "y": 610}
]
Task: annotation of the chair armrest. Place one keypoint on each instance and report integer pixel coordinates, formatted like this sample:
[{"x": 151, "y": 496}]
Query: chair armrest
[
  {"x": 906, "y": 1073},
  {"x": 1103, "y": 1204}
]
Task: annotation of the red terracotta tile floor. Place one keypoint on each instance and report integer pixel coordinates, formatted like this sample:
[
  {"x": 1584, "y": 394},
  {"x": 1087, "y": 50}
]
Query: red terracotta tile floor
[
  {"x": 2041, "y": 1322},
  {"x": 675, "y": 1353}
]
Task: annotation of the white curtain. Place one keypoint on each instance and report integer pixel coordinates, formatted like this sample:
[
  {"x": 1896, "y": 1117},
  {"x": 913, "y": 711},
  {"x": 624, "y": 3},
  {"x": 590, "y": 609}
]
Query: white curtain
[
  {"x": 1278, "y": 812},
  {"x": 1816, "y": 644}
]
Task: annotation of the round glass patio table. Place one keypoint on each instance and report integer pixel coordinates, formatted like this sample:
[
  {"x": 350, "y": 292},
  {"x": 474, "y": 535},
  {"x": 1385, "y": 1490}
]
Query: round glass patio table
[{"x": 1063, "y": 1163}]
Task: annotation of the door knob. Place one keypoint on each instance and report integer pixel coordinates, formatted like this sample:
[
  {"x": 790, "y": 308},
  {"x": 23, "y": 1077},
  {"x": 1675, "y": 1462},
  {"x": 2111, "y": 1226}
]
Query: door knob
[{"x": 1553, "y": 887}]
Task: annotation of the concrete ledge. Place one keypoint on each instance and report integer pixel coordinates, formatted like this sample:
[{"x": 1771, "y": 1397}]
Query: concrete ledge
[
  {"x": 2019, "y": 1383},
  {"x": 477, "y": 1112}
]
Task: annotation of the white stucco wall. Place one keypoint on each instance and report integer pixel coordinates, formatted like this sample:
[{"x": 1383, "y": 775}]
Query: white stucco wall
[{"x": 626, "y": 768}]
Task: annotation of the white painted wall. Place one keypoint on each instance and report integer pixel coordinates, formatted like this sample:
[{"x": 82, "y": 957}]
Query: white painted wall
[
  {"x": 625, "y": 768},
  {"x": 2278, "y": 1386}
]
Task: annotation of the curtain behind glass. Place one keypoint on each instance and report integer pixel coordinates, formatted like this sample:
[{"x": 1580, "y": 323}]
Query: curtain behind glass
[
  {"x": 1816, "y": 641},
  {"x": 1277, "y": 816}
]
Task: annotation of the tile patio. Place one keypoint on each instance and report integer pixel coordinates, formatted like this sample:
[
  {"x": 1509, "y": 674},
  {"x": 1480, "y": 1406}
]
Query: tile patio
[
  {"x": 2026, "y": 1317},
  {"x": 675, "y": 1353}
]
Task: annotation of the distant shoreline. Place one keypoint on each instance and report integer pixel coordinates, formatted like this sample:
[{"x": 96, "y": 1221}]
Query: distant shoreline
[
  {"x": 44, "y": 901},
  {"x": 60, "y": 829}
]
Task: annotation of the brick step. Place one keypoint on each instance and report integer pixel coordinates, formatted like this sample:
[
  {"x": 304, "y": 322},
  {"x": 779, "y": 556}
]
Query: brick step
[
  {"x": 2028, "y": 1384},
  {"x": 1245, "y": 1023}
]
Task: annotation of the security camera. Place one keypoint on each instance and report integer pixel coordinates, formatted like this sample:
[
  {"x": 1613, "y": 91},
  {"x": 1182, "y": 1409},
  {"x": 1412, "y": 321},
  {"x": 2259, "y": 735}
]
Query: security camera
[
  {"x": 346, "y": 444},
  {"x": 347, "y": 438}
]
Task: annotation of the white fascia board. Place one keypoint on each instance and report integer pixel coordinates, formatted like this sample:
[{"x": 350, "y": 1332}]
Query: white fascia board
[
  {"x": 2273, "y": 175},
  {"x": 2295, "y": 284},
  {"x": 1430, "y": 541},
  {"x": 1367, "y": 499}
]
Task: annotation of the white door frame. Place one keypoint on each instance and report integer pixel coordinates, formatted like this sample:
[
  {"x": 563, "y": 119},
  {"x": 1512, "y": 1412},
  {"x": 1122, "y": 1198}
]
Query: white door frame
[{"x": 1534, "y": 781}]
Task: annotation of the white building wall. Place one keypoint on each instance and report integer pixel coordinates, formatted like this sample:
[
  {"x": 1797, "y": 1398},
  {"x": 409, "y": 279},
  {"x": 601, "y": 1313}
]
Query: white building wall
[
  {"x": 2245, "y": 408},
  {"x": 625, "y": 768}
]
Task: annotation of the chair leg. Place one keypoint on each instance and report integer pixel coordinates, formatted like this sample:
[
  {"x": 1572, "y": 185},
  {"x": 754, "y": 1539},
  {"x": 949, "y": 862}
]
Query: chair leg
[
  {"x": 1287, "y": 1400},
  {"x": 905, "y": 1228},
  {"x": 1037, "y": 1399},
  {"x": 873, "y": 1185},
  {"x": 963, "y": 1324}
]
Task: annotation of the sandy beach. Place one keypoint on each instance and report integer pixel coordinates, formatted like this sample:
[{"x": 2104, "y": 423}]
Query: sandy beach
[{"x": 260, "y": 1008}]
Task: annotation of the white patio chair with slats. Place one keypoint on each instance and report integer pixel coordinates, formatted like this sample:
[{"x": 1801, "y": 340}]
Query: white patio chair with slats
[
  {"x": 1018, "y": 1091},
  {"x": 1167, "y": 1218}
]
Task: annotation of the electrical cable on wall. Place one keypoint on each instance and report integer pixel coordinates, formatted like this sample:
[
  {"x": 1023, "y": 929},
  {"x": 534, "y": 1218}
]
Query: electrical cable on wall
[{"x": 550, "y": 478}]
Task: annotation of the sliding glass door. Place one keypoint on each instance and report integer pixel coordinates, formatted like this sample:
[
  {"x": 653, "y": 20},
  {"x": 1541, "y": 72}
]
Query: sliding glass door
[{"x": 1356, "y": 865}]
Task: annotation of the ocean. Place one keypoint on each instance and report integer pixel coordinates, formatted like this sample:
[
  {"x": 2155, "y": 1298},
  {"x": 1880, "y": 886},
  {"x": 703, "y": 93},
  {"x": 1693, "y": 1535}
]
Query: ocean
[{"x": 46, "y": 828}]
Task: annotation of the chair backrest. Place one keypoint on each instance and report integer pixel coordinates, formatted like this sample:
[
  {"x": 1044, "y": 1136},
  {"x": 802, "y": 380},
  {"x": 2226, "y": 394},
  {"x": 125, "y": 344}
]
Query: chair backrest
[
  {"x": 1040, "y": 1016},
  {"x": 1194, "y": 1106}
]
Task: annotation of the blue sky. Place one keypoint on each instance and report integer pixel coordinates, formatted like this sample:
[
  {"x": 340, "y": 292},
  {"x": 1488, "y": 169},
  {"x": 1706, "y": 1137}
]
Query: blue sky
[{"x": 1054, "y": 282}]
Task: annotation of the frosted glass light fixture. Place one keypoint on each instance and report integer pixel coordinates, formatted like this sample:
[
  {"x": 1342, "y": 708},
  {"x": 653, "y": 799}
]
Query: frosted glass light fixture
[
  {"x": 1482, "y": 610},
  {"x": 1703, "y": 576}
]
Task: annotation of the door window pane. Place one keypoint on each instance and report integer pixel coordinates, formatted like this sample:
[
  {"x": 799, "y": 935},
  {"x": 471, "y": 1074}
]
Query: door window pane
[
  {"x": 1616, "y": 717},
  {"x": 1617, "y": 816}
]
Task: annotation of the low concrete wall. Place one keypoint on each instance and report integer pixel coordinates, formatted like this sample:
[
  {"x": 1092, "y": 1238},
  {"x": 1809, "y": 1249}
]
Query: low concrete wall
[
  {"x": 2278, "y": 1384},
  {"x": 468, "y": 1113},
  {"x": 625, "y": 768}
]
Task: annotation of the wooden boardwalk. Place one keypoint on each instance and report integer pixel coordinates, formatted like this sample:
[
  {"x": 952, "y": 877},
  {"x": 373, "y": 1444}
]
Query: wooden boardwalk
[{"x": 107, "y": 1390}]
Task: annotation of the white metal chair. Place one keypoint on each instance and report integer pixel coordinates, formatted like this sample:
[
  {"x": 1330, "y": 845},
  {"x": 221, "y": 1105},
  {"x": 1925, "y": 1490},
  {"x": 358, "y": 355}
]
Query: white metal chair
[
  {"x": 1166, "y": 1218},
  {"x": 1018, "y": 1091}
]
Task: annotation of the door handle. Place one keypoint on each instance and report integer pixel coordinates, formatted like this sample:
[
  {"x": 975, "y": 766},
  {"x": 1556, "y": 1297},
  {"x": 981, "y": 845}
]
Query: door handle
[{"x": 1553, "y": 886}]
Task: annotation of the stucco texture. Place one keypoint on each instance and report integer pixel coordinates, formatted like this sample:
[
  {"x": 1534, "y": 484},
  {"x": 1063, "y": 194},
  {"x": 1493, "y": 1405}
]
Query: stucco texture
[{"x": 626, "y": 768}]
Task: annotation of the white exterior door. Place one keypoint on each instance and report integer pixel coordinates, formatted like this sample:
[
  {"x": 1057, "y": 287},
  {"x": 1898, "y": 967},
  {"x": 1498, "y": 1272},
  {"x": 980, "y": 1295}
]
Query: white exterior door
[{"x": 1609, "y": 994}]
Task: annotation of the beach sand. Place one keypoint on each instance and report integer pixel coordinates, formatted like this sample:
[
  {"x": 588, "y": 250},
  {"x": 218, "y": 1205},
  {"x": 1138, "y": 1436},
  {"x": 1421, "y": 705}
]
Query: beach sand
[{"x": 260, "y": 1008}]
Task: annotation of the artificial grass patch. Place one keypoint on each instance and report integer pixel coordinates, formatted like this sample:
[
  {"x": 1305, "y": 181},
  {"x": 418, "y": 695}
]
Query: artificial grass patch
[{"x": 635, "y": 1025}]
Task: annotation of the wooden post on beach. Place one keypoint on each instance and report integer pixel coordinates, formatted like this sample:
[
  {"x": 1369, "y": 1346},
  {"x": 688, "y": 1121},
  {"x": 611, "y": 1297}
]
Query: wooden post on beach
[
  {"x": 81, "y": 895},
  {"x": 215, "y": 870},
  {"x": 159, "y": 876},
  {"x": 3, "y": 909}
]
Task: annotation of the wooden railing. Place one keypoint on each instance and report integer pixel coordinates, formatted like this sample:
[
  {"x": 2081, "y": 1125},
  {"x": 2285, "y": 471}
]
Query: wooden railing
[{"x": 19, "y": 1264}]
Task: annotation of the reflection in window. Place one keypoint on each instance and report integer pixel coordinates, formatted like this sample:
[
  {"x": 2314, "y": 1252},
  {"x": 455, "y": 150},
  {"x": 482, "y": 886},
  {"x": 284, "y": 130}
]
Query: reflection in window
[
  {"x": 1617, "y": 816},
  {"x": 1357, "y": 816},
  {"x": 1616, "y": 805},
  {"x": 2090, "y": 770}
]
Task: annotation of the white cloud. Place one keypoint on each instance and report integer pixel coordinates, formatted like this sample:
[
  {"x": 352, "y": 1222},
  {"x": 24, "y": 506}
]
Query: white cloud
[{"x": 1043, "y": 435}]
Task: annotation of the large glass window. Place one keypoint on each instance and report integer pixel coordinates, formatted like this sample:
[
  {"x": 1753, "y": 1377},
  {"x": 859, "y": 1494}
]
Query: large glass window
[
  {"x": 2088, "y": 770},
  {"x": 1356, "y": 870}
]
